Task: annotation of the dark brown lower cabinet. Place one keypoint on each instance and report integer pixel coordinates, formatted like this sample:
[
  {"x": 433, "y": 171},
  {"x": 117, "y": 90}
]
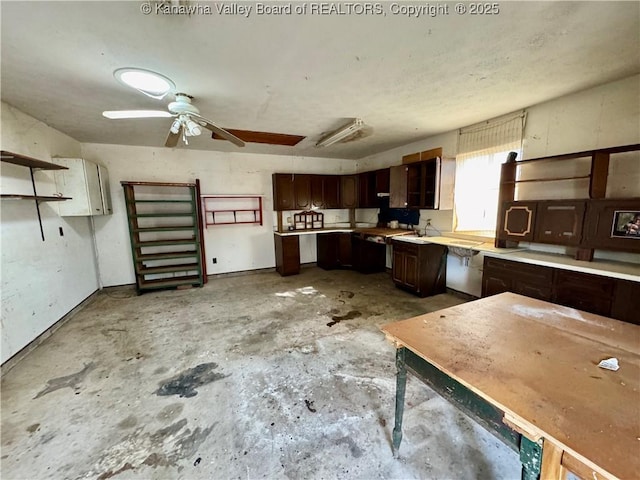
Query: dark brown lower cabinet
[
  {"x": 610, "y": 297},
  {"x": 420, "y": 269},
  {"x": 367, "y": 256},
  {"x": 334, "y": 250},
  {"x": 287, "y": 254},
  {"x": 590, "y": 293},
  {"x": 626, "y": 302},
  {"x": 506, "y": 276}
]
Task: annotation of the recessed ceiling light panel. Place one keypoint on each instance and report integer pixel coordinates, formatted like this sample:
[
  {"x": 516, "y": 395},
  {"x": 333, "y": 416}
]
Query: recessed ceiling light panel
[{"x": 150, "y": 83}]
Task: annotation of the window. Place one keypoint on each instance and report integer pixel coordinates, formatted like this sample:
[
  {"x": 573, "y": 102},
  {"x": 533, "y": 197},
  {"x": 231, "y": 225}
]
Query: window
[{"x": 482, "y": 149}]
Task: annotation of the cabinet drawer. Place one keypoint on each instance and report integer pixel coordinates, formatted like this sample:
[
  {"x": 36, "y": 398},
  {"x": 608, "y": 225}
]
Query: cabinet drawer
[
  {"x": 584, "y": 283},
  {"x": 578, "y": 299},
  {"x": 533, "y": 290},
  {"x": 405, "y": 247},
  {"x": 519, "y": 270}
]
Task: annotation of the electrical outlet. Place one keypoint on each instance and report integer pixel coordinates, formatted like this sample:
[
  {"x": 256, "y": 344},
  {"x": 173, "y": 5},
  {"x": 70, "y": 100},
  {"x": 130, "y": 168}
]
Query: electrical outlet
[
  {"x": 428, "y": 222},
  {"x": 215, "y": 260}
]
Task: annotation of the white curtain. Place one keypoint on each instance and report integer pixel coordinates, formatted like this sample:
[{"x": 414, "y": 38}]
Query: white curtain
[{"x": 482, "y": 148}]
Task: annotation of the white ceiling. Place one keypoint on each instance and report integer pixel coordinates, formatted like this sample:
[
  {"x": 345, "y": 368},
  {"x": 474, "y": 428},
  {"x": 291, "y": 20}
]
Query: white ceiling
[{"x": 407, "y": 78}]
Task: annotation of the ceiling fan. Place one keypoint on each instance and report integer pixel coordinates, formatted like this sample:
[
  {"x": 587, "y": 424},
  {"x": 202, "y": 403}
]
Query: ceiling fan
[{"x": 187, "y": 121}]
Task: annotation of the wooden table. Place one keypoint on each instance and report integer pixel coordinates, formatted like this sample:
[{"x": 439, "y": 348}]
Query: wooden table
[{"x": 528, "y": 370}]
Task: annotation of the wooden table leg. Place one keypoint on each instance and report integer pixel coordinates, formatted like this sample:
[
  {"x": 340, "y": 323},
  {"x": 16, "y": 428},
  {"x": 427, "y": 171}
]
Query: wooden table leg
[
  {"x": 401, "y": 384},
  {"x": 551, "y": 462}
]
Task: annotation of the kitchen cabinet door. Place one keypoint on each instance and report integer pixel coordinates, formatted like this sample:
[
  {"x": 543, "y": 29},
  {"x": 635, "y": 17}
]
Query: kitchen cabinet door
[
  {"x": 605, "y": 224},
  {"x": 398, "y": 186},
  {"x": 517, "y": 223},
  {"x": 506, "y": 276},
  {"x": 331, "y": 191},
  {"x": 317, "y": 191},
  {"x": 382, "y": 179},
  {"x": 87, "y": 185},
  {"x": 302, "y": 191},
  {"x": 327, "y": 250},
  {"x": 420, "y": 269},
  {"x": 367, "y": 190},
  {"x": 419, "y": 185},
  {"x": 591, "y": 293},
  {"x": 287, "y": 254},
  {"x": 349, "y": 191},
  {"x": 626, "y": 302},
  {"x": 559, "y": 222},
  {"x": 283, "y": 193}
]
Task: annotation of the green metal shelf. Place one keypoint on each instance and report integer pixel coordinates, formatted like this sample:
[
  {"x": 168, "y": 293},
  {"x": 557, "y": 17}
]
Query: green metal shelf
[
  {"x": 164, "y": 243},
  {"x": 183, "y": 267},
  {"x": 164, "y": 229},
  {"x": 148, "y": 257},
  {"x": 163, "y": 215}
]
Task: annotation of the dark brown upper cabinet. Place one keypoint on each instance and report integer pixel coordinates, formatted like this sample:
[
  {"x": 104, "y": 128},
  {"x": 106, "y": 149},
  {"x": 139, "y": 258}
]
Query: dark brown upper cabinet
[
  {"x": 349, "y": 191},
  {"x": 366, "y": 190},
  {"x": 416, "y": 185},
  {"x": 325, "y": 191},
  {"x": 606, "y": 224},
  {"x": 331, "y": 191},
  {"x": 517, "y": 221},
  {"x": 382, "y": 180},
  {"x": 283, "y": 193},
  {"x": 559, "y": 222},
  {"x": 317, "y": 191},
  {"x": 302, "y": 191}
]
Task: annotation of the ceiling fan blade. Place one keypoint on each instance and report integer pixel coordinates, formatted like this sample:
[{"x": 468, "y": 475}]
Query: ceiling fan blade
[
  {"x": 120, "y": 114},
  {"x": 220, "y": 131},
  {"x": 172, "y": 138}
]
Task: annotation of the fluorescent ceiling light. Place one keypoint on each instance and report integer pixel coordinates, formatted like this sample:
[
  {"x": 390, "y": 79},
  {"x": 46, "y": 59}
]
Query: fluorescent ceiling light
[
  {"x": 117, "y": 114},
  {"x": 150, "y": 83},
  {"x": 341, "y": 133}
]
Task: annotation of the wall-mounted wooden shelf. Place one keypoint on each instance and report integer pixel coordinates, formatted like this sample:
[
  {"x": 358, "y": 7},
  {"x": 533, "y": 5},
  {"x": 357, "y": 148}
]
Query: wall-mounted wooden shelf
[
  {"x": 550, "y": 179},
  {"x": 232, "y": 209},
  {"x": 29, "y": 162},
  {"x": 39, "y": 198},
  {"x": 32, "y": 164}
]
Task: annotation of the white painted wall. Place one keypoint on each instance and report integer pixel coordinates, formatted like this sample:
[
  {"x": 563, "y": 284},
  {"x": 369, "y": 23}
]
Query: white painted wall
[
  {"x": 604, "y": 116},
  {"x": 41, "y": 281},
  {"x": 236, "y": 247}
]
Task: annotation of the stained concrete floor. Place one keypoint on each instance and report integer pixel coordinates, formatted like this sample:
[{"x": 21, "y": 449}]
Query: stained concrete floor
[{"x": 243, "y": 378}]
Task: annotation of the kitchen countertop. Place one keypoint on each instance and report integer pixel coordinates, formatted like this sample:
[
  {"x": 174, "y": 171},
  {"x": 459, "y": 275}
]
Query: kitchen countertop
[
  {"x": 607, "y": 268},
  {"x": 371, "y": 231}
]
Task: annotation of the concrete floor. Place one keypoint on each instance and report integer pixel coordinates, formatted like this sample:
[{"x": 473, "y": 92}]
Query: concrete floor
[{"x": 243, "y": 378}]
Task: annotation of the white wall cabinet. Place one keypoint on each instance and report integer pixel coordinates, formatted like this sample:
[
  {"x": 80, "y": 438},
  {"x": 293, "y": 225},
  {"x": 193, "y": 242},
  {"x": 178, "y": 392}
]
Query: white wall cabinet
[{"x": 88, "y": 185}]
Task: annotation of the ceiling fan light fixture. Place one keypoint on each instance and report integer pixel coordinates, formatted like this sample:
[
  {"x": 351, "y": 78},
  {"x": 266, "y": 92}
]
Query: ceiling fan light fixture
[
  {"x": 343, "y": 132},
  {"x": 175, "y": 127},
  {"x": 193, "y": 129},
  {"x": 150, "y": 83}
]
